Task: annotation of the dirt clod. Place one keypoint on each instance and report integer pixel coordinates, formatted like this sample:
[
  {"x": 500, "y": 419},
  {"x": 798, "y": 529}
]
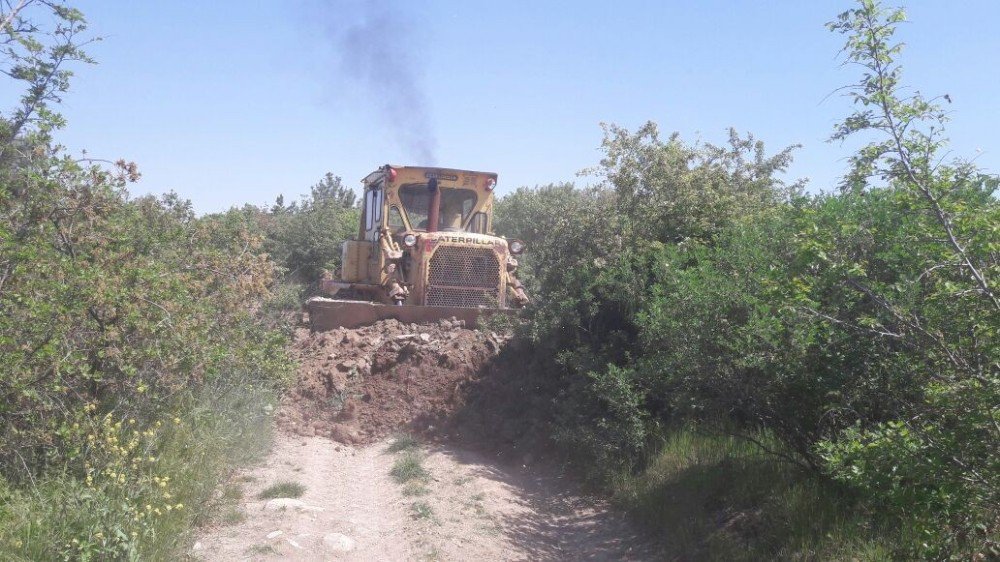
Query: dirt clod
[{"x": 360, "y": 385}]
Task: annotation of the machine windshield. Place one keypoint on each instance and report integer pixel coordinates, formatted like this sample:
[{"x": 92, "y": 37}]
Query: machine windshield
[{"x": 456, "y": 205}]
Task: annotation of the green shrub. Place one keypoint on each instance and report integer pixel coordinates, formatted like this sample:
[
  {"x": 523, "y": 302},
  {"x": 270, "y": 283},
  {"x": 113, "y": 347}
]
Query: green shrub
[
  {"x": 857, "y": 329},
  {"x": 137, "y": 360}
]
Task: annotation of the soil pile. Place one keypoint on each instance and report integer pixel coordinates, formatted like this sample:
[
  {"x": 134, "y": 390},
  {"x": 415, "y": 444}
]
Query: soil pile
[{"x": 359, "y": 385}]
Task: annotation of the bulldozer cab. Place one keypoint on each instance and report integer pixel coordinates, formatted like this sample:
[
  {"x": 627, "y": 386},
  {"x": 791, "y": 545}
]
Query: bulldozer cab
[
  {"x": 425, "y": 241},
  {"x": 465, "y": 205}
]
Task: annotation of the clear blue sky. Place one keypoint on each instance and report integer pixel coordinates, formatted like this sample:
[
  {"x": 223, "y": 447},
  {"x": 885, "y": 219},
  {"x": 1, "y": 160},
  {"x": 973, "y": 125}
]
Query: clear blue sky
[{"x": 228, "y": 102}]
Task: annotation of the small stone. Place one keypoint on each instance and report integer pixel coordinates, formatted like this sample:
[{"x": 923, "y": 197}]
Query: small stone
[
  {"x": 425, "y": 337},
  {"x": 295, "y": 544},
  {"x": 198, "y": 546},
  {"x": 337, "y": 542},
  {"x": 275, "y": 534},
  {"x": 280, "y": 504}
]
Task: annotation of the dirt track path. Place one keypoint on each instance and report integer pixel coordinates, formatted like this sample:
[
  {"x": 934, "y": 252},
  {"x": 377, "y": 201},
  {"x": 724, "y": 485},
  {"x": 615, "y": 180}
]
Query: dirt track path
[{"x": 474, "y": 509}]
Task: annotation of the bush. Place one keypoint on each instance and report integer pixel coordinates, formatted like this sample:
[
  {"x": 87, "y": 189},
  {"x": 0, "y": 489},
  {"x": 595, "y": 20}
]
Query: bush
[
  {"x": 858, "y": 330},
  {"x": 137, "y": 360},
  {"x": 305, "y": 237}
]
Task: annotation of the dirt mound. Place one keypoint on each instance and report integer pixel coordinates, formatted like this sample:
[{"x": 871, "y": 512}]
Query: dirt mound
[{"x": 359, "y": 385}]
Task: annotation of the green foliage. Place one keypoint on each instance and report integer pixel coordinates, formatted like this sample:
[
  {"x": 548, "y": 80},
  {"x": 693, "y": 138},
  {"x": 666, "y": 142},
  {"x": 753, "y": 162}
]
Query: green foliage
[
  {"x": 305, "y": 237},
  {"x": 283, "y": 489},
  {"x": 595, "y": 257},
  {"x": 720, "y": 497},
  {"x": 564, "y": 228},
  {"x": 137, "y": 358},
  {"x": 109, "y": 301},
  {"x": 142, "y": 487},
  {"x": 857, "y": 330},
  {"x": 937, "y": 457},
  {"x": 670, "y": 191},
  {"x": 409, "y": 468}
]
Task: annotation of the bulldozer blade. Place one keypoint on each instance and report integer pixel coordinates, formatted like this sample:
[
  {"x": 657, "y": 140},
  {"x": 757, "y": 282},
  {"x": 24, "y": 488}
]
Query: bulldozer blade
[{"x": 327, "y": 314}]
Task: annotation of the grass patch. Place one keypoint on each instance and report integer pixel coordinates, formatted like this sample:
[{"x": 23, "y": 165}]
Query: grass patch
[
  {"x": 402, "y": 442},
  {"x": 409, "y": 467},
  {"x": 232, "y": 492},
  {"x": 422, "y": 510},
  {"x": 283, "y": 489},
  {"x": 723, "y": 498}
]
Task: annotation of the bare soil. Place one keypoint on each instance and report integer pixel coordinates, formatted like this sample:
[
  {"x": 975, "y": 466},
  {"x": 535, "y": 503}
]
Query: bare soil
[
  {"x": 358, "y": 387},
  {"x": 473, "y": 508}
]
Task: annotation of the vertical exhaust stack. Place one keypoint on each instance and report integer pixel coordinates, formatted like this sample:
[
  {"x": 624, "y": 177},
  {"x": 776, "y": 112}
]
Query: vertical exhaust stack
[{"x": 435, "y": 205}]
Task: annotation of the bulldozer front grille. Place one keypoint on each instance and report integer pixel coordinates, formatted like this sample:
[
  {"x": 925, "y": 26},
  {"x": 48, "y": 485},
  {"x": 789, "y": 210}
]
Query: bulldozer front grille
[{"x": 464, "y": 277}]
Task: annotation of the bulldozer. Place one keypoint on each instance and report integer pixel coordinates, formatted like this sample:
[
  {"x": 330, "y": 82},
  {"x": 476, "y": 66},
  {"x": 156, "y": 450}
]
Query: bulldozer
[{"x": 425, "y": 251}]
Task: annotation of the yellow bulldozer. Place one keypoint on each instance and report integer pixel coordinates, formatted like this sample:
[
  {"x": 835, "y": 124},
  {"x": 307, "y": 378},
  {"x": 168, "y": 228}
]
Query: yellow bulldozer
[{"x": 425, "y": 251}]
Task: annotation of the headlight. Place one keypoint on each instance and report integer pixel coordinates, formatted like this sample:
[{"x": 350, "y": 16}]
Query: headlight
[
  {"x": 410, "y": 240},
  {"x": 516, "y": 247}
]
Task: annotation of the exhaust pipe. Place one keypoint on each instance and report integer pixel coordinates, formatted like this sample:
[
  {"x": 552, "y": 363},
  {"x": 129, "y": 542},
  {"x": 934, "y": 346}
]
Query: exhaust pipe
[{"x": 435, "y": 205}]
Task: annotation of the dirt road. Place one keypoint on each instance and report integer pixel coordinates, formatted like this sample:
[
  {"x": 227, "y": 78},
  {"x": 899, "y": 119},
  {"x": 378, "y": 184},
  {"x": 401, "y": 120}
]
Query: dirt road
[{"x": 467, "y": 508}]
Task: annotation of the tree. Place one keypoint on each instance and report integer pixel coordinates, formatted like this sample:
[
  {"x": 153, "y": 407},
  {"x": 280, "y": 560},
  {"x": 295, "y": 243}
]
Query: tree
[
  {"x": 331, "y": 191},
  {"x": 931, "y": 298},
  {"x": 911, "y": 130},
  {"x": 305, "y": 236},
  {"x": 38, "y": 56}
]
